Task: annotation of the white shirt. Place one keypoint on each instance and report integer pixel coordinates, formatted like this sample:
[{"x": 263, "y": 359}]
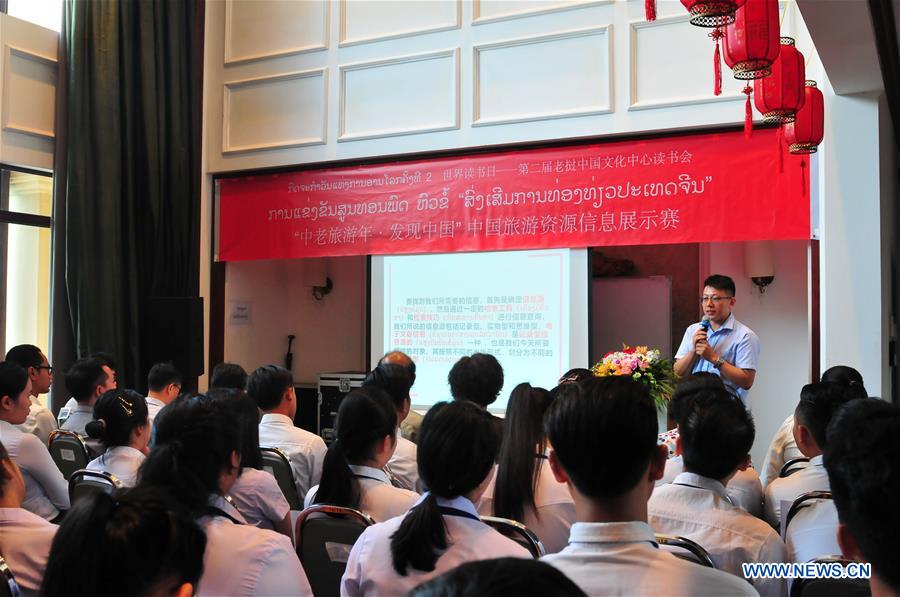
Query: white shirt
[
  {"x": 305, "y": 450},
  {"x": 813, "y": 532},
  {"x": 46, "y": 490},
  {"x": 122, "y": 462},
  {"x": 40, "y": 421},
  {"x": 154, "y": 405},
  {"x": 782, "y": 449},
  {"x": 258, "y": 498},
  {"x": 25, "y": 544},
  {"x": 812, "y": 478},
  {"x": 370, "y": 570},
  {"x": 403, "y": 464},
  {"x": 744, "y": 488},
  {"x": 377, "y": 497},
  {"x": 78, "y": 419},
  {"x": 699, "y": 509},
  {"x": 243, "y": 560},
  {"x": 622, "y": 558},
  {"x": 553, "y": 515}
]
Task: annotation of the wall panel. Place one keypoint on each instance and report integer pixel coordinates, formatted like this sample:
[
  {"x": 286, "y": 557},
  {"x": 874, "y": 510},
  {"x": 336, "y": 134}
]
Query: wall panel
[
  {"x": 258, "y": 29},
  {"x": 367, "y": 20}
]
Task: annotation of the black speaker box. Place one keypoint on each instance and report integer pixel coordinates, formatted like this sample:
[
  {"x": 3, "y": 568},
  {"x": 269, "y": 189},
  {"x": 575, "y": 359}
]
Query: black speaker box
[{"x": 175, "y": 333}]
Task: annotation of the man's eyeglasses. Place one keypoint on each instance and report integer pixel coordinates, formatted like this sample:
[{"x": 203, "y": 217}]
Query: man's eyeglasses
[
  {"x": 714, "y": 299},
  {"x": 47, "y": 367}
]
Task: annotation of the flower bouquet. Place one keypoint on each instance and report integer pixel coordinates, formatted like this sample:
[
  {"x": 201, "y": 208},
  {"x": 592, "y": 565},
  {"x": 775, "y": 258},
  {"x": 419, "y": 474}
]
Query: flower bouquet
[{"x": 643, "y": 365}]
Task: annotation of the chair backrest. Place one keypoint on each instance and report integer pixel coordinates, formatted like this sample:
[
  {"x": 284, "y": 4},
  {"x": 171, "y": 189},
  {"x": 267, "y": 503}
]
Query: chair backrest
[
  {"x": 276, "y": 463},
  {"x": 793, "y": 465},
  {"x": 324, "y": 536},
  {"x": 830, "y": 587},
  {"x": 518, "y": 532},
  {"x": 807, "y": 499},
  {"x": 8, "y": 585},
  {"x": 84, "y": 483},
  {"x": 68, "y": 451},
  {"x": 686, "y": 550}
]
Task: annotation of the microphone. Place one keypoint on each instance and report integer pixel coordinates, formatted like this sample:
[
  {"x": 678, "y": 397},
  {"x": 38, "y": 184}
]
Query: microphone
[{"x": 704, "y": 323}]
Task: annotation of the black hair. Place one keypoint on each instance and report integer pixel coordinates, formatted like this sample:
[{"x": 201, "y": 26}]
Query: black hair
[
  {"x": 396, "y": 380},
  {"x": 818, "y": 403},
  {"x": 862, "y": 459},
  {"x": 195, "y": 436},
  {"x": 519, "y": 469},
  {"x": 716, "y": 433},
  {"x": 456, "y": 451},
  {"x": 501, "y": 576},
  {"x": 688, "y": 387},
  {"x": 137, "y": 543},
  {"x": 26, "y": 355},
  {"x": 106, "y": 359},
  {"x": 13, "y": 379},
  {"x": 603, "y": 432},
  {"x": 244, "y": 410},
  {"x": 848, "y": 377},
  {"x": 576, "y": 375},
  {"x": 365, "y": 417},
  {"x": 116, "y": 414},
  {"x": 84, "y": 376},
  {"x": 720, "y": 282},
  {"x": 267, "y": 384},
  {"x": 478, "y": 379},
  {"x": 228, "y": 375},
  {"x": 161, "y": 375}
]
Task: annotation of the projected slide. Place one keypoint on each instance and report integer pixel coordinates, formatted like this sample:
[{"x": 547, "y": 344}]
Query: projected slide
[{"x": 520, "y": 306}]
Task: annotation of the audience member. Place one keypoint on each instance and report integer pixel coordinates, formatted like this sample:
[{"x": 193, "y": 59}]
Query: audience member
[
  {"x": 272, "y": 388},
  {"x": 576, "y": 375},
  {"x": 163, "y": 386},
  {"x": 86, "y": 379},
  {"x": 862, "y": 457},
  {"x": 457, "y": 448},
  {"x": 409, "y": 425},
  {"x": 353, "y": 475},
  {"x": 24, "y": 537},
  {"x": 783, "y": 448},
  {"x": 397, "y": 381},
  {"x": 478, "y": 379},
  {"x": 132, "y": 545},
  {"x": 502, "y": 576},
  {"x": 603, "y": 440},
  {"x": 716, "y": 434},
  {"x": 818, "y": 402},
  {"x": 40, "y": 421},
  {"x": 255, "y": 493},
  {"x": 109, "y": 366},
  {"x": 122, "y": 427},
  {"x": 197, "y": 458},
  {"x": 46, "y": 491},
  {"x": 228, "y": 375},
  {"x": 524, "y": 488}
]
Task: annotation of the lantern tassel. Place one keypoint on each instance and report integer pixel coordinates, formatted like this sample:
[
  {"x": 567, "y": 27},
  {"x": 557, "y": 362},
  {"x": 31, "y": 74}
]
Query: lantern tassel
[
  {"x": 717, "y": 61},
  {"x": 650, "y": 9},
  {"x": 803, "y": 176},
  {"x": 748, "y": 114},
  {"x": 778, "y": 139}
]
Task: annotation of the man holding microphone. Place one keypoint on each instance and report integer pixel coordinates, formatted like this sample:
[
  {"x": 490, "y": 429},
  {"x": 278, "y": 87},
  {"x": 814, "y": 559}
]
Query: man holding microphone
[{"x": 719, "y": 343}]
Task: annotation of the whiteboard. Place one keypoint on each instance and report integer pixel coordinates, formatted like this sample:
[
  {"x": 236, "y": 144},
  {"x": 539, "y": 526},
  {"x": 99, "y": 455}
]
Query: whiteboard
[{"x": 633, "y": 311}]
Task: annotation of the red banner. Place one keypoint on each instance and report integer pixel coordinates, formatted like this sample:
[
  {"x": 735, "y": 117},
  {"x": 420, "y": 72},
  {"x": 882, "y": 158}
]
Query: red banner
[{"x": 682, "y": 189}]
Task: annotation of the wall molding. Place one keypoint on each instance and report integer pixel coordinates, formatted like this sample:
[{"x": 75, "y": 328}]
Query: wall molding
[
  {"x": 10, "y": 52},
  {"x": 230, "y": 59},
  {"x": 477, "y": 19},
  {"x": 344, "y": 42}
]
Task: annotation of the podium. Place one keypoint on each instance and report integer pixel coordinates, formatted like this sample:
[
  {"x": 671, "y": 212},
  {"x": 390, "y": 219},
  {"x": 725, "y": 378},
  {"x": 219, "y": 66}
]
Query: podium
[{"x": 332, "y": 389}]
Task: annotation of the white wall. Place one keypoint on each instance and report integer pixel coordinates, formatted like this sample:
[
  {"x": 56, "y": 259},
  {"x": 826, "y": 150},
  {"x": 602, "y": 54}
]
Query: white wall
[{"x": 779, "y": 318}]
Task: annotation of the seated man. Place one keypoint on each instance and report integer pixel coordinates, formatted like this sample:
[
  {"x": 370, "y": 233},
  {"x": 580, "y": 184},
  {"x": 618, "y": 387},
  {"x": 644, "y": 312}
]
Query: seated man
[
  {"x": 228, "y": 375},
  {"x": 109, "y": 367},
  {"x": 164, "y": 386},
  {"x": 818, "y": 402},
  {"x": 863, "y": 463},
  {"x": 410, "y": 424},
  {"x": 716, "y": 435},
  {"x": 478, "y": 379},
  {"x": 86, "y": 379},
  {"x": 272, "y": 387},
  {"x": 603, "y": 440},
  {"x": 40, "y": 421}
]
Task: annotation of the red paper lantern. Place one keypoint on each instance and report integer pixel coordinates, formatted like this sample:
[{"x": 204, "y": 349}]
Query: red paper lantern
[
  {"x": 712, "y": 13},
  {"x": 780, "y": 95},
  {"x": 751, "y": 42},
  {"x": 806, "y": 132}
]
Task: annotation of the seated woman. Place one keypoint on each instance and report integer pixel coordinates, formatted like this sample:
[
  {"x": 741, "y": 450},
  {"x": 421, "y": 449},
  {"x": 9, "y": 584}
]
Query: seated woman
[
  {"x": 121, "y": 424},
  {"x": 352, "y": 474},
  {"x": 24, "y": 537},
  {"x": 524, "y": 488},
  {"x": 457, "y": 448},
  {"x": 196, "y": 457},
  {"x": 255, "y": 493},
  {"x": 135, "y": 544}
]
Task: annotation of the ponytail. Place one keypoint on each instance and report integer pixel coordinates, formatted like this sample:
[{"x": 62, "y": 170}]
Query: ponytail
[
  {"x": 117, "y": 413},
  {"x": 338, "y": 486},
  {"x": 421, "y": 538}
]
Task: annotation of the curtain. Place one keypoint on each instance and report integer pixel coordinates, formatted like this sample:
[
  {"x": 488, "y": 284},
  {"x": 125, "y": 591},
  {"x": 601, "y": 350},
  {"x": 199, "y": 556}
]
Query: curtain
[{"x": 132, "y": 169}]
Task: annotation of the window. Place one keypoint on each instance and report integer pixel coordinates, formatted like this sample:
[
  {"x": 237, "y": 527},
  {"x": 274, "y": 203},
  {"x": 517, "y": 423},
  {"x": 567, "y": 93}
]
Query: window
[
  {"x": 25, "y": 208},
  {"x": 46, "y": 13}
]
